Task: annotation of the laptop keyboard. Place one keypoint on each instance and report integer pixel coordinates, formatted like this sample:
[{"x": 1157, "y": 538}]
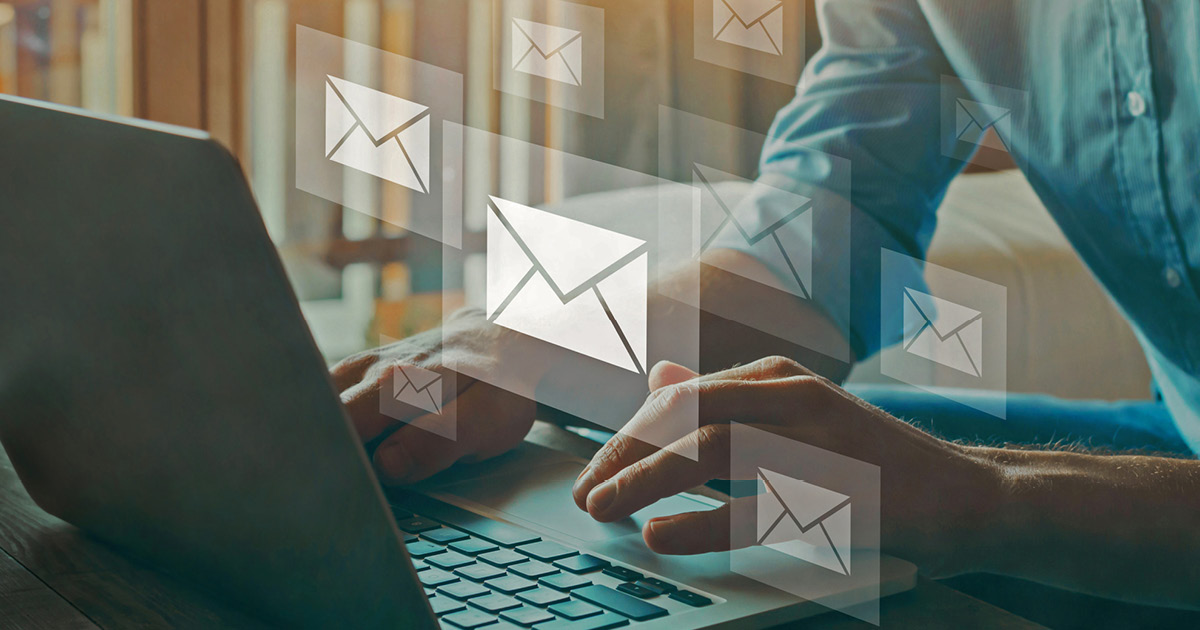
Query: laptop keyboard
[{"x": 493, "y": 576}]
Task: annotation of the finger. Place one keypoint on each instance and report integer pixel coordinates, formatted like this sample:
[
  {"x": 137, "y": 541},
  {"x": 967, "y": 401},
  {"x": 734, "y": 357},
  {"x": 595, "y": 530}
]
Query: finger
[
  {"x": 420, "y": 449},
  {"x": 727, "y": 527},
  {"x": 666, "y": 373},
  {"x": 662, "y": 474},
  {"x": 677, "y": 410},
  {"x": 365, "y": 403},
  {"x": 349, "y": 371}
]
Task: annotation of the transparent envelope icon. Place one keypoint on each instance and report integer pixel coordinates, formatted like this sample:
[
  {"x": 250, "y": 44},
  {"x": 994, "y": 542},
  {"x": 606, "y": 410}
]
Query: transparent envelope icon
[
  {"x": 418, "y": 387},
  {"x": 981, "y": 124},
  {"x": 377, "y": 133},
  {"x": 547, "y": 51},
  {"x": 946, "y": 333},
  {"x": 568, "y": 283},
  {"x": 754, "y": 24},
  {"x": 760, "y": 233},
  {"x": 804, "y": 521}
]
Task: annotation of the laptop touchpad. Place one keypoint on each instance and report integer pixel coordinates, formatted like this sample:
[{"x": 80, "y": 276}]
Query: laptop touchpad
[{"x": 541, "y": 497}]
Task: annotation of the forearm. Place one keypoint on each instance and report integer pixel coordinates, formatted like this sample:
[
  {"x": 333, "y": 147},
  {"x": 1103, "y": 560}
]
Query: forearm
[{"x": 1125, "y": 527}]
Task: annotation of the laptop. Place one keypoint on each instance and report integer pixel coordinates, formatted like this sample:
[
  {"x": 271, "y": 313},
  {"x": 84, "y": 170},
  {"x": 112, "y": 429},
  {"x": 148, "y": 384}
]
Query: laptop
[{"x": 160, "y": 390}]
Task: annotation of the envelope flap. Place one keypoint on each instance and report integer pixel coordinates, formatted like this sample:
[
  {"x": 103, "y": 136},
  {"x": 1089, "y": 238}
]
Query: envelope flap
[
  {"x": 985, "y": 115},
  {"x": 545, "y": 37},
  {"x": 570, "y": 253},
  {"x": 380, "y": 112},
  {"x": 750, "y": 11},
  {"x": 420, "y": 378},
  {"x": 945, "y": 317},
  {"x": 754, "y": 220},
  {"x": 808, "y": 503}
]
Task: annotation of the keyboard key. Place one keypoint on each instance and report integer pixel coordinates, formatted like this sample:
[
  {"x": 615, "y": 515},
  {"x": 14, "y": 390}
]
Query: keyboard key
[
  {"x": 479, "y": 572},
  {"x": 623, "y": 574},
  {"x": 434, "y": 578},
  {"x": 640, "y": 592},
  {"x": 463, "y": 590},
  {"x": 417, "y": 524},
  {"x": 503, "y": 558},
  {"x": 444, "y": 535},
  {"x": 494, "y": 603},
  {"x": 526, "y": 616},
  {"x": 565, "y": 581},
  {"x": 423, "y": 549},
  {"x": 583, "y": 563},
  {"x": 532, "y": 569},
  {"x": 618, "y": 602},
  {"x": 450, "y": 560},
  {"x": 445, "y": 605},
  {"x": 547, "y": 551},
  {"x": 509, "y": 584},
  {"x": 599, "y": 622},
  {"x": 542, "y": 597},
  {"x": 469, "y": 619},
  {"x": 419, "y": 565},
  {"x": 473, "y": 546},
  {"x": 574, "y": 610},
  {"x": 499, "y": 533},
  {"x": 657, "y": 585},
  {"x": 410, "y": 538},
  {"x": 690, "y": 598}
]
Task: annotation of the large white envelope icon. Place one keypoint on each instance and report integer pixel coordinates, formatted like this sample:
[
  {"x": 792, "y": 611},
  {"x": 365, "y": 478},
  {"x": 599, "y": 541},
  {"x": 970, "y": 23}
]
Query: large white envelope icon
[
  {"x": 943, "y": 332},
  {"x": 761, "y": 233},
  {"x": 804, "y": 521},
  {"x": 377, "y": 133},
  {"x": 418, "y": 387},
  {"x": 982, "y": 124},
  {"x": 552, "y": 52},
  {"x": 566, "y": 282},
  {"x": 754, "y": 24}
]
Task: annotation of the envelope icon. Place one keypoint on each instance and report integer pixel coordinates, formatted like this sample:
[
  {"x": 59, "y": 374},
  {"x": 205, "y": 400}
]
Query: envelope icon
[
  {"x": 418, "y": 387},
  {"x": 947, "y": 333},
  {"x": 551, "y": 52},
  {"x": 568, "y": 283},
  {"x": 754, "y": 24},
  {"x": 804, "y": 521},
  {"x": 377, "y": 133},
  {"x": 982, "y": 124},
  {"x": 760, "y": 231}
]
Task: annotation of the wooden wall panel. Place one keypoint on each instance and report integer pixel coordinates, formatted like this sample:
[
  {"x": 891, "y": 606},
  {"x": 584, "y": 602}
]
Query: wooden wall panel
[{"x": 170, "y": 58}]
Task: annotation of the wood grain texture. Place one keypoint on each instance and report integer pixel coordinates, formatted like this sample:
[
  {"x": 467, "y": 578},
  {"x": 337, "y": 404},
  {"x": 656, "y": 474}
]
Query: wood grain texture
[
  {"x": 28, "y": 604},
  {"x": 112, "y": 590}
]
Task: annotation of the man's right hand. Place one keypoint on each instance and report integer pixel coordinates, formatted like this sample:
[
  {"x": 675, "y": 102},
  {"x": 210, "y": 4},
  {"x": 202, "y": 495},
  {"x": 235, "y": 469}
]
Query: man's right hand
[{"x": 490, "y": 420}]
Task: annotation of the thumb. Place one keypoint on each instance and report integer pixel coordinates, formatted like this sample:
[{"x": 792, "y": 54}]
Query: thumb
[{"x": 666, "y": 373}]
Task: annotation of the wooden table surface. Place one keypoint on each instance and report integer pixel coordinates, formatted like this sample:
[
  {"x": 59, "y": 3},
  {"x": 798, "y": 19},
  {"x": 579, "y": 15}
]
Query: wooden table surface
[{"x": 52, "y": 576}]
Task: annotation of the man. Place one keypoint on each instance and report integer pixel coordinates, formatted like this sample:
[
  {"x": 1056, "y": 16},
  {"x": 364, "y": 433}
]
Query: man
[{"x": 1109, "y": 142}]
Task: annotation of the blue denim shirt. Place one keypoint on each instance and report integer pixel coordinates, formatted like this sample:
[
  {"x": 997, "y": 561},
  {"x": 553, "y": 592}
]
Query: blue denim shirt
[{"x": 1107, "y": 132}]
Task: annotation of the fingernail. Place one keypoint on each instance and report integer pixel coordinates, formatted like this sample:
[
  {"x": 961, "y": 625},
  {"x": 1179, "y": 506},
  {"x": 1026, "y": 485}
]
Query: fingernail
[
  {"x": 393, "y": 462},
  {"x": 602, "y": 497}
]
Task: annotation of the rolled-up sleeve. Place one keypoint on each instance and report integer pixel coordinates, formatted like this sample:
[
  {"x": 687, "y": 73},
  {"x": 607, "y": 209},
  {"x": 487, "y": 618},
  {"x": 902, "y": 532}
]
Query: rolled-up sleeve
[{"x": 867, "y": 105}]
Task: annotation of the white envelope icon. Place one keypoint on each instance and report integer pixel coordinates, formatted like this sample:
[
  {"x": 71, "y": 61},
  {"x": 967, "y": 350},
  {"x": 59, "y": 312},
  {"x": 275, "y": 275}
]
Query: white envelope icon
[
  {"x": 377, "y": 133},
  {"x": 754, "y": 24},
  {"x": 760, "y": 233},
  {"x": 804, "y": 521},
  {"x": 981, "y": 124},
  {"x": 568, "y": 283},
  {"x": 551, "y": 52},
  {"x": 946, "y": 333},
  {"x": 418, "y": 387}
]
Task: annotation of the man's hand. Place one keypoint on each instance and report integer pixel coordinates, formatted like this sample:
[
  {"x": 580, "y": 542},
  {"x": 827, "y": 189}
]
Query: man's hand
[
  {"x": 490, "y": 420},
  {"x": 932, "y": 490}
]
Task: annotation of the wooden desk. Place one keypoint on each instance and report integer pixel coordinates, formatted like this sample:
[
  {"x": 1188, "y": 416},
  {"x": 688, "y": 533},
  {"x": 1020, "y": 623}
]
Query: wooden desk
[{"x": 54, "y": 577}]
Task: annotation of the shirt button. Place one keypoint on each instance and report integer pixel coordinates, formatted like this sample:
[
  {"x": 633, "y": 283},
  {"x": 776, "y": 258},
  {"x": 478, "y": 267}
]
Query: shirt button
[
  {"x": 1136, "y": 104},
  {"x": 1171, "y": 275}
]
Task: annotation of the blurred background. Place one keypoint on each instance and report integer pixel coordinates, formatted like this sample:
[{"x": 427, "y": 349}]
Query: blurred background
[{"x": 227, "y": 66}]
